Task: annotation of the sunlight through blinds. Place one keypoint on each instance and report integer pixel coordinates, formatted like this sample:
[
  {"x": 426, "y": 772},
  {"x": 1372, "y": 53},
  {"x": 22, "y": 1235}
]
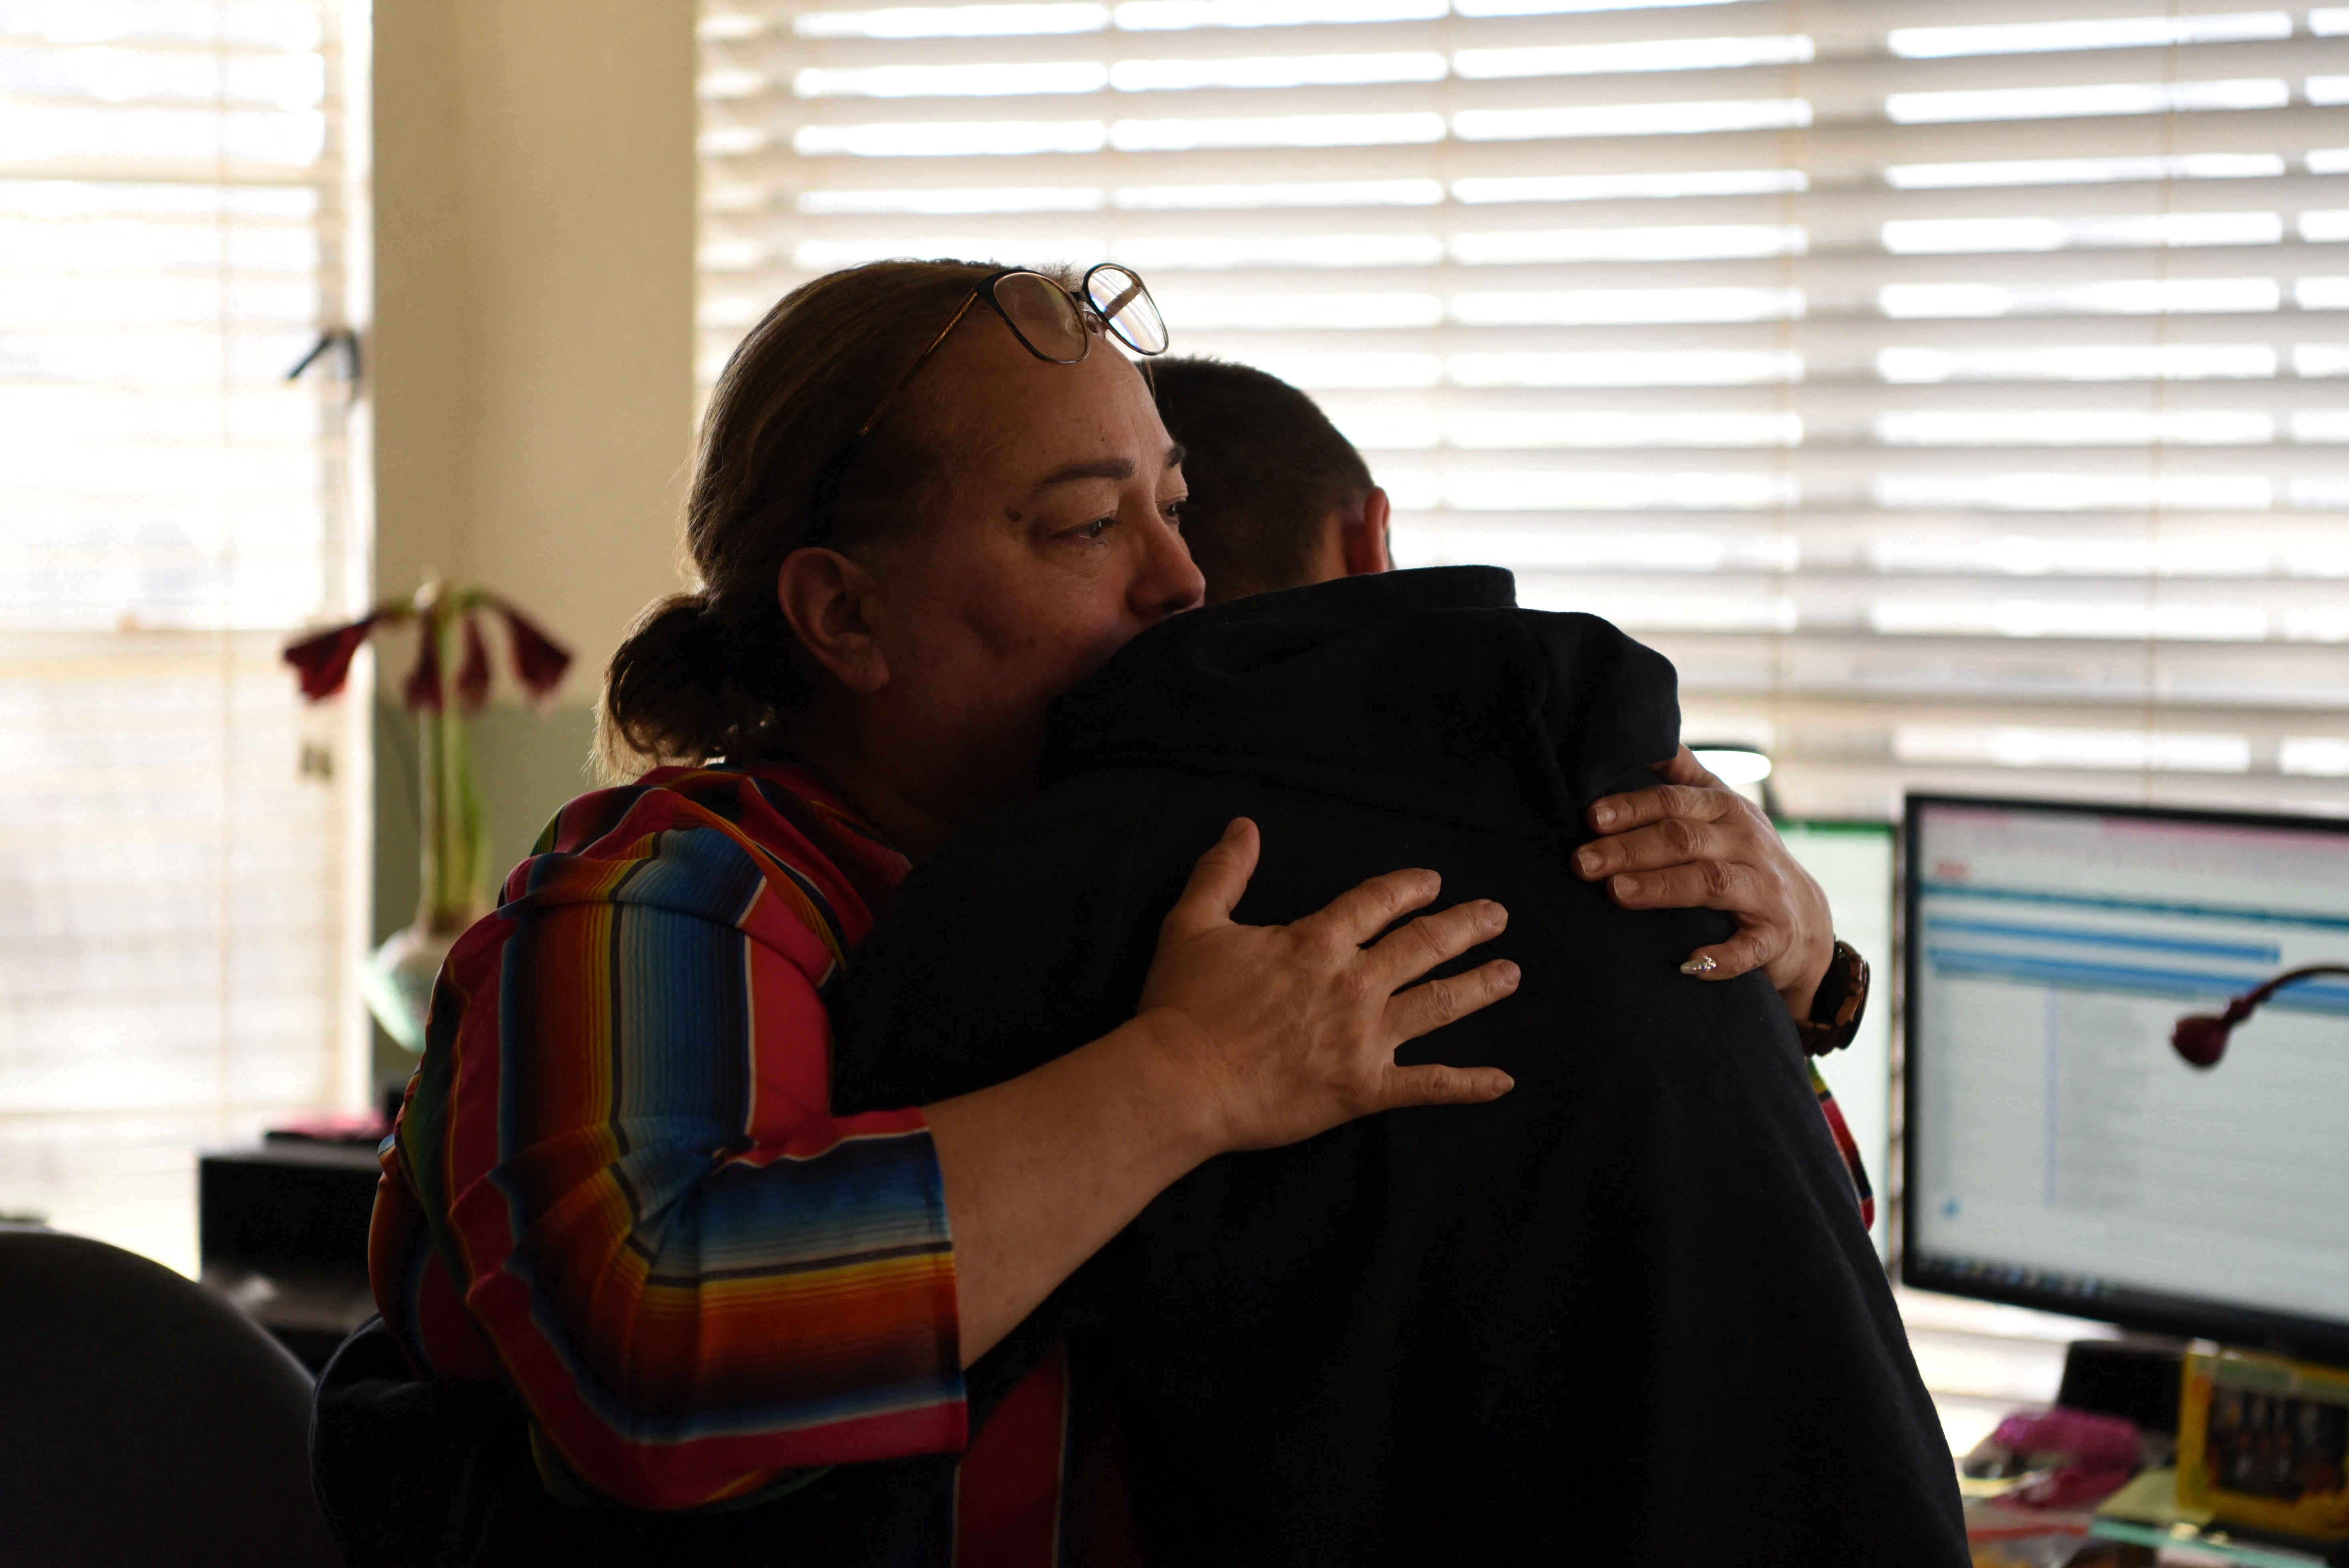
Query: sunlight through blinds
[
  {"x": 176, "y": 853},
  {"x": 1954, "y": 390}
]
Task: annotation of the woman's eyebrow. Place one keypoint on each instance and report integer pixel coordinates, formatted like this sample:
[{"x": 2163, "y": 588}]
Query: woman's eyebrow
[
  {"x": 1111, "y": 468},
  {"x": 1116, "y": 469}
]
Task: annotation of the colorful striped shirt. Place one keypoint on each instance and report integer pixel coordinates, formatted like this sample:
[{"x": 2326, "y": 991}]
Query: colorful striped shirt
[
  {"x": 617, "y": 1182},
  {"x": 1845, "y": 1146}
]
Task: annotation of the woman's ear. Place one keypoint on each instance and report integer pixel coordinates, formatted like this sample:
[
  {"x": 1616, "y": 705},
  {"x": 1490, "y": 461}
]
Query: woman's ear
[{"x": 824, "y": 595}]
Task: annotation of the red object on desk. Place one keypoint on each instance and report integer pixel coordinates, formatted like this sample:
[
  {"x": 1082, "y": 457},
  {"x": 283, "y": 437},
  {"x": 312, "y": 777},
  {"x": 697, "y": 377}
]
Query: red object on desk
[
  {"x": 368, "y": 1128},
  {"x": 2100, "y": 1453}
]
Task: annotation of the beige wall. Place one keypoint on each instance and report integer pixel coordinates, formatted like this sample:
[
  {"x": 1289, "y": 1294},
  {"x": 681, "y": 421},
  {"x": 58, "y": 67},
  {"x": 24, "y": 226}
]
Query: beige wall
[
  {"x": 533, "y": 343},
  {"x": 530, "y": 359}
]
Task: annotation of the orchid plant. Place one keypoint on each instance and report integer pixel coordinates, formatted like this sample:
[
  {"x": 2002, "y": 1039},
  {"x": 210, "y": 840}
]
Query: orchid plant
[{"x": 455, "y": 827}]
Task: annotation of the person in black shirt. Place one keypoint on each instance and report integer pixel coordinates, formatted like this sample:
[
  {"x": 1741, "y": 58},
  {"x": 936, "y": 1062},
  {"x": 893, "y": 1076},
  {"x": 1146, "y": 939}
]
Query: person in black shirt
[{"x": 1631, "y": 1314}]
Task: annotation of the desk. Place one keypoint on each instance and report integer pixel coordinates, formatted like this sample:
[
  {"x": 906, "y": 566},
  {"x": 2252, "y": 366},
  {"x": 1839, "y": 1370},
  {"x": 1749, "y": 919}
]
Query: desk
[{"x": 283, "y": 1232}]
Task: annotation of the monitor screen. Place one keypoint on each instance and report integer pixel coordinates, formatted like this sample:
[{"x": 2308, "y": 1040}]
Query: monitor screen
[{"x": 2059, "y": 1153}]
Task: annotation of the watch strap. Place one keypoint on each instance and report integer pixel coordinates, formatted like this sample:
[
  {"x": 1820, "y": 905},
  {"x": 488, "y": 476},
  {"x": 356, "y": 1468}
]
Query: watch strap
[{"x": 1838, "y": 1005}]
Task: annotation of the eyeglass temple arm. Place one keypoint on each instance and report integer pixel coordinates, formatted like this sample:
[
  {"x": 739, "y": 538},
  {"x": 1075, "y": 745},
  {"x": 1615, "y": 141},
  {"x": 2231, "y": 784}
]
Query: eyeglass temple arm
[{"x": 919, "y": 360}]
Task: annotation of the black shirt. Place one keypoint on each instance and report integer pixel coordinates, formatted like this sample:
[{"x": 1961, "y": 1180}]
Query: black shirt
[{"x": 1628, "y": 1312}]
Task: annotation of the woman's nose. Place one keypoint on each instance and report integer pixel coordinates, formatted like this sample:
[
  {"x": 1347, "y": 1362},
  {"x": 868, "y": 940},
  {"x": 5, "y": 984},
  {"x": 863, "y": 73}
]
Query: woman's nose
[{"x": 1169, "y": 581}]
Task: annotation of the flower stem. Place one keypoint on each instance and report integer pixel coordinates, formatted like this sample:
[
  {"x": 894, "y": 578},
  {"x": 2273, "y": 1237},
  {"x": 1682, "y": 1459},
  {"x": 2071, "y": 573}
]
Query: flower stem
[{"x": 455, "y": 841}]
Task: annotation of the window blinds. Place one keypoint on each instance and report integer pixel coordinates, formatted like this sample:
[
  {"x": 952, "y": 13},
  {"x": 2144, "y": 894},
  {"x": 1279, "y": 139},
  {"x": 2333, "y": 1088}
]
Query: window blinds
[
  {"x": 1955, "y": 389},
  {"x": 177, "y": 859}
]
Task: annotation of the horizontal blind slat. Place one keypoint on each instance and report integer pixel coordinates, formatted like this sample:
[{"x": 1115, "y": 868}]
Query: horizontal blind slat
[{"x": 1982, "y": 319}]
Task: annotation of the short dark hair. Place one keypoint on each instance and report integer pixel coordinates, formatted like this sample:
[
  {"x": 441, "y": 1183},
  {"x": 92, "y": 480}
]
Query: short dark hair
[{"x": 1265, "y": 466}]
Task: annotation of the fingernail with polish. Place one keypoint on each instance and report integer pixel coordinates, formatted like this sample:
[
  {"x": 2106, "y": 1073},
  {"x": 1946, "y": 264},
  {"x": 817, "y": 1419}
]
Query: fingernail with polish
[{"x": 1700, "y": 966}]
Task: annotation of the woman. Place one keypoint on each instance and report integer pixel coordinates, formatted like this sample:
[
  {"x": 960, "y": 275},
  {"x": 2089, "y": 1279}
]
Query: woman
[{"x": 920, "y": 509}]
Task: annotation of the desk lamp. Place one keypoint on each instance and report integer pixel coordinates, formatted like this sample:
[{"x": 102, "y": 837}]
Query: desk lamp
[{"x": 2201, "y": 1039}]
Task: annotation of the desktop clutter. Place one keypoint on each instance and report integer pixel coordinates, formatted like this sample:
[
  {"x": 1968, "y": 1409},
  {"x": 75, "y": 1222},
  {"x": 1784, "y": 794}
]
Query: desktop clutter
[{"x": 2153, "y": 1457}]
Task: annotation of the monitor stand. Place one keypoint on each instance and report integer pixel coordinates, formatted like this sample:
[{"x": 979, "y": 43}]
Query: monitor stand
[{"x": 2134, "y": 1377}]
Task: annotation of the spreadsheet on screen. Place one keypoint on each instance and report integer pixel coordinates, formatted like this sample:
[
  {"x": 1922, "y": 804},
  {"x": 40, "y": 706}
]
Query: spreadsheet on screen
[{"x": 2059, "y": 1143}]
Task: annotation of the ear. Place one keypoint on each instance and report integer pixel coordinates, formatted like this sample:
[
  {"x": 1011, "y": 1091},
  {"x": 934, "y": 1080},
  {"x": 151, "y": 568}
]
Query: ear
[
  {"x": 826, "y": 597},
  {"x": 1365, "y": 541}
]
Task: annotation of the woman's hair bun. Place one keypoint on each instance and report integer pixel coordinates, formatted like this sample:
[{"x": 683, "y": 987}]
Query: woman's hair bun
[{"x": 665, "y": 692}]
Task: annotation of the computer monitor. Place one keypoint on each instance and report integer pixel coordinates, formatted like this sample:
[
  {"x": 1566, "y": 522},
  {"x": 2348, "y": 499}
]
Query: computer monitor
[{"x": 2059, "y": 1154}]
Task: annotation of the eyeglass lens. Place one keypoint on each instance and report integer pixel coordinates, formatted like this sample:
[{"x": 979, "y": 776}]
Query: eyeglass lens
[
  {"x": 1041, "y": 312},
  {"x": 1117, "y": 296}
]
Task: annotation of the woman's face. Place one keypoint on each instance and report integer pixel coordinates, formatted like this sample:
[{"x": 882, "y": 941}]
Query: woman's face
[{"x": 1055, "y": 543}]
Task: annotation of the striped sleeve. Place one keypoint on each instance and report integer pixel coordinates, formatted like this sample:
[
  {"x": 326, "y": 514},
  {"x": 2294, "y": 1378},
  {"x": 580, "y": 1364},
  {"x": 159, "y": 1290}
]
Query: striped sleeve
[
  {"x": 696, "y": 1276},
  {"x": 1845, "y": 1146}
]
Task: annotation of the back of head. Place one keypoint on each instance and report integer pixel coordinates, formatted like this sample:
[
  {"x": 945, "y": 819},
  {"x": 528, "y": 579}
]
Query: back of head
[
  {"x": 1265, "y": 466},
  {"x": 780, "y": 466}
]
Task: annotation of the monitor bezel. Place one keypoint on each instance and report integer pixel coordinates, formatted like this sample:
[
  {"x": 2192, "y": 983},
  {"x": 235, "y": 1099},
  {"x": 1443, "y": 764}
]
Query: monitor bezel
[{"x": 2156, "y": 1312}]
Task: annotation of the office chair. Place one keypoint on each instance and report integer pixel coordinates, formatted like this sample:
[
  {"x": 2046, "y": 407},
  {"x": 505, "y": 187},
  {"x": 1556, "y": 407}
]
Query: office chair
[{"x": 143, "y": 1419}]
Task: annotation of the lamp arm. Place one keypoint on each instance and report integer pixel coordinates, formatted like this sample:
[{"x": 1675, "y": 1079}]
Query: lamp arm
[
  {"x": 2201, "y": 1039},
  {"x": 2251, "y": 999}
]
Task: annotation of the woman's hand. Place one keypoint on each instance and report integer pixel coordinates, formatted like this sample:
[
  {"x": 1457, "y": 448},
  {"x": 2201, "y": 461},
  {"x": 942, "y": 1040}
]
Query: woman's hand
[
  {"x": 1291, "y": 1030},
  {"x": 1693, "y": 842},
  {"x": 1249, "y": 1036}
]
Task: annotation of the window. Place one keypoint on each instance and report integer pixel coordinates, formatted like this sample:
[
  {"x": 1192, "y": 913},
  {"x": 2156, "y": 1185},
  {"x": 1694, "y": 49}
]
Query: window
[
  {"x": 180, "y": 848},
  {"x": 1955, "y": 392}
]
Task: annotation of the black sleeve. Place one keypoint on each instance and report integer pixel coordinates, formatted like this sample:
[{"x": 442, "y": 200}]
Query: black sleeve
[
  {"x": 1028, "y": 936},
  {"x": 1023, "y": 940}
]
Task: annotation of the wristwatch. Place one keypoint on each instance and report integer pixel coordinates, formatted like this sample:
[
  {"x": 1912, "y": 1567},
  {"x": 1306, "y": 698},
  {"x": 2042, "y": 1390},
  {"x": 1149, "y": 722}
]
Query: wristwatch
[{"x": 1836, "y": 1006}]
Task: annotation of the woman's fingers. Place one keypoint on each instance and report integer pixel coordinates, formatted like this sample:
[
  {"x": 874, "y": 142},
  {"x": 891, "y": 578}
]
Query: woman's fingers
[
  {"x": 1749, "y": 950},
  {"x": 1661, "y": 802},
  {"x": 1422, "y": 1009},
  {"x": 1685, "y": 791},
  {"x": 1674, "y": 841},
  {"x": 1360, "y": 913},
  {"x": 1693, "y": 842},
  {"x": 1216, "y": 882},
  {"x": 1761, "y": 934},
  {"x": 1439, "y": 1085},
  {"x": 1404, "y": 955},
  {"x": 1725, "y": 885}
]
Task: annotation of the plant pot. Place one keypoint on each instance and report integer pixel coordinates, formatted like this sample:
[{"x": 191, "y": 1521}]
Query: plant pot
[{"x": 397, "y": 980}]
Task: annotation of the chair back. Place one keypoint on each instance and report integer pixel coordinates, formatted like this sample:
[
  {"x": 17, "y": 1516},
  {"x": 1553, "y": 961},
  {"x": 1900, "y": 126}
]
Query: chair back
[{"x": 143, "y": 1419}]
